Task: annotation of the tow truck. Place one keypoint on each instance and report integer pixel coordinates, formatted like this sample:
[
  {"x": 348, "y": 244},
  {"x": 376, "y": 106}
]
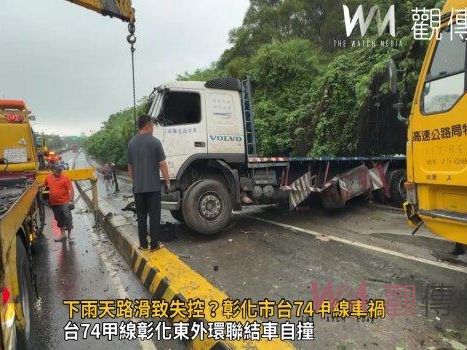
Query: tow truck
[
  {"x": 437, "y": 133},
  {"x": 22, "y": 218},
  {"x": 22, "y": 212}
]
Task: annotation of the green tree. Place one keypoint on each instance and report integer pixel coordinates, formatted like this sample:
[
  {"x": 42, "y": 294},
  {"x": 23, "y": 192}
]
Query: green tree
[
  {"x": 110, "y": 143},
  {"x": 311, "y": 96}
]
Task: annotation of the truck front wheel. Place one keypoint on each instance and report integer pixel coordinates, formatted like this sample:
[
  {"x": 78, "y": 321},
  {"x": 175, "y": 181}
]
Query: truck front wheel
[
  {"x": 40, "y": 220},
  {"x": 207, "y": 206},
  {"x": 23, "y": 329},
  {"x": 397, "y": 179}
]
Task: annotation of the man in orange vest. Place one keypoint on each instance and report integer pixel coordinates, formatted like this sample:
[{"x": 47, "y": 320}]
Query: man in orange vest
[{"x": 61, "y": 194}]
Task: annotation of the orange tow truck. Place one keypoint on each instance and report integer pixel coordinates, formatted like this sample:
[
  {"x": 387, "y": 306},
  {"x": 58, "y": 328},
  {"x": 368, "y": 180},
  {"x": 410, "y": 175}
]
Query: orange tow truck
[
  {"x": 22, "y": 217},
  {"x": 21, "y": 208},
  {"x": 21, "y": 220}
]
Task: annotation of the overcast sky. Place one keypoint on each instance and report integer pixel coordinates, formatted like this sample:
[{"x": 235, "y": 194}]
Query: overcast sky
[{"x": 73, "y": 67}]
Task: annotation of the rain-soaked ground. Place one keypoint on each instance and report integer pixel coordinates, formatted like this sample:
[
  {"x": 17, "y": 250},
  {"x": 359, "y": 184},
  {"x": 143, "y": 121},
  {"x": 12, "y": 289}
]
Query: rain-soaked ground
[
  {"x": 88, "y": 267},
  {"x": 253, "y": 259}
]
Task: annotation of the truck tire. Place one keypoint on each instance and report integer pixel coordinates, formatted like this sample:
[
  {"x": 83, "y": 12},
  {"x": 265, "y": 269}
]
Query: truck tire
[
  {"x": 177, "y": 215},
  {"x": 207, "y": 206},
  {"x": 25, "y": 295},
  {"x": 397, "y": 179},
  {"x": 41, "y": 216}
]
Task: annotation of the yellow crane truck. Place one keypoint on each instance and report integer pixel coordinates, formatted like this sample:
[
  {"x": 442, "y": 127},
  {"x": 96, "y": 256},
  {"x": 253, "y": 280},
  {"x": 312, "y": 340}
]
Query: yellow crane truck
[
  {"x": 22, "y": 218},
  {"x": 437, "y": 132},
  {"x": 21, "y": 208}
]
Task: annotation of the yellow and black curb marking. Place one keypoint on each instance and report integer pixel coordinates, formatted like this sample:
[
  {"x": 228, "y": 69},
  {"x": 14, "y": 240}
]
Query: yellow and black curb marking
[
  {"x": 167, "y": 277},
  {"x": 160, "y": 288}
]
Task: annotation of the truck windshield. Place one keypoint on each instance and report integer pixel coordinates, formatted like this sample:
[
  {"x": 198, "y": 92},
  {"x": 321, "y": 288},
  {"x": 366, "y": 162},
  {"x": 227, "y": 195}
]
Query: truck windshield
[
  {"x": 37, "y": 139},
  {"x": 180, "y": 108},
  {"x": 445, "y": 81}
]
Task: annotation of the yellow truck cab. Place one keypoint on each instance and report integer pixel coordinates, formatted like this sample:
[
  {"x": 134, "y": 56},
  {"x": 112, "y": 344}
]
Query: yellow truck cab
[
  {"x": 437, "y": 134},
  {"x": 17, "y": 149}
]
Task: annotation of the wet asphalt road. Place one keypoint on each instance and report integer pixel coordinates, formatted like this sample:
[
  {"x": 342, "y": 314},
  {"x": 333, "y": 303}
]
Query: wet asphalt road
[
  {"x": 88, "y": 267},
  {"x": 251, "y": 259}
]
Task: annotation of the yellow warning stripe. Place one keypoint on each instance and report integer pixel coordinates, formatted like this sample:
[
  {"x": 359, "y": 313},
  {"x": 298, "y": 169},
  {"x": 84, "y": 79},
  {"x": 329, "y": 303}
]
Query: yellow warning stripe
[{"x": 166, "y": 277}]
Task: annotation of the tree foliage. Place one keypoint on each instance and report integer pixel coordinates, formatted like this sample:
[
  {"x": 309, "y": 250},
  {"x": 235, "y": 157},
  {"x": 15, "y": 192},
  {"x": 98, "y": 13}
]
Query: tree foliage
[
  {"x": 284, "y": 75},
  {"x": 53, "y": 142},
  {"x": 312, "y": 96},
  {"x": 110, "y": 143}
]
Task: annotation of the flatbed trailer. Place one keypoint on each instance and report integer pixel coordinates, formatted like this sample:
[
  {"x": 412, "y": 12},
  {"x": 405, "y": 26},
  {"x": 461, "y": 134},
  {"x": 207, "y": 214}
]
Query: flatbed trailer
[
  {"x": 338, "y": 179},
  {"x": 21, "y": 219}
]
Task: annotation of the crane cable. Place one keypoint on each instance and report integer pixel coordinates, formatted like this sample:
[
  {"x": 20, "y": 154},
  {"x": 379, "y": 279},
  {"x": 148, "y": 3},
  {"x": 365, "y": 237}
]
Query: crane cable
[{"x": 131, "y": 38}]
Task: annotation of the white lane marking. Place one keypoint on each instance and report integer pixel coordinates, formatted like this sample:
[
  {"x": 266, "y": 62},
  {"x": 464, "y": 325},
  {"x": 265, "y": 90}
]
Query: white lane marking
[
  {"x": 366, "y": 246},
  {"x": 145, "y": 344}
]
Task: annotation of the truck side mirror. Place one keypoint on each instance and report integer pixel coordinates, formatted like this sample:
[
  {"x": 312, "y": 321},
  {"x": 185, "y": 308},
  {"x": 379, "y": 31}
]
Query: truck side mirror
[
  {"x": 426, "y": 89},
  {"x": 392, "y": 76},
  {"x": 392, "y": 79},
  {"x": 32, "y": 117},
  {"x": 157, "y": 120},
  {"x": 398, "y": 107}
]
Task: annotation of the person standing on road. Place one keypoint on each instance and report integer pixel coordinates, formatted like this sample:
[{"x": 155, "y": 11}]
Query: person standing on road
[
  {"x": 114, "y": 174},
  {"x": 61, "y": 194},
  {"x": 145, "y": 158},
  {"x": 107, "y": 173}
]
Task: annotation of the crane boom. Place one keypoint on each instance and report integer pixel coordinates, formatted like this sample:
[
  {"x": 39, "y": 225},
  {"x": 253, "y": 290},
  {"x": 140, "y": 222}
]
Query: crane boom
[{"x": 114, "y": 8}]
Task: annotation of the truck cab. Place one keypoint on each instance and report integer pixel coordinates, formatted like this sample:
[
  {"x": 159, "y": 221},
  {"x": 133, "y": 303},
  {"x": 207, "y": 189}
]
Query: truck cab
[
  {"x": 197, "y": 120},
  {"x": 17, "y": 145},
  {"x": 437, "y": 134},
  {"x": 207, "y": 133}
]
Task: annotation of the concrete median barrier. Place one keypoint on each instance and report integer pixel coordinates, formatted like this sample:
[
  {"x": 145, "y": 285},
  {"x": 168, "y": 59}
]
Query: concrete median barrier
[{"x": 166, "y": 277}]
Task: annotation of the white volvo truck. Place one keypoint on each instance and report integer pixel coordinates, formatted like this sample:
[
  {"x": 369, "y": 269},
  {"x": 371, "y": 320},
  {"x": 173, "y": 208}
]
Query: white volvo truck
[{"x": 208, "y": 134}]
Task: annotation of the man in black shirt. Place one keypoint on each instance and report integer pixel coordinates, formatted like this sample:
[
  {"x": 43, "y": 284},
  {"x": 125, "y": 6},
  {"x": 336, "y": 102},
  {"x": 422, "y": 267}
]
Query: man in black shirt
[{"x": 145, "y": 158}]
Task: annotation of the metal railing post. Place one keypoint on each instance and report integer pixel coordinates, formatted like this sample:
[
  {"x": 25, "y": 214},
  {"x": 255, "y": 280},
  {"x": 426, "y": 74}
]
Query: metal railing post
[{"x": 95, "y": 201}]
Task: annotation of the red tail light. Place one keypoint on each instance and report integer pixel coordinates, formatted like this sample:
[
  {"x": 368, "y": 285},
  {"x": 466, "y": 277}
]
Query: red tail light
[
  {"x": 14, "y": 118},
  {"x": 5, "y": 295}
]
